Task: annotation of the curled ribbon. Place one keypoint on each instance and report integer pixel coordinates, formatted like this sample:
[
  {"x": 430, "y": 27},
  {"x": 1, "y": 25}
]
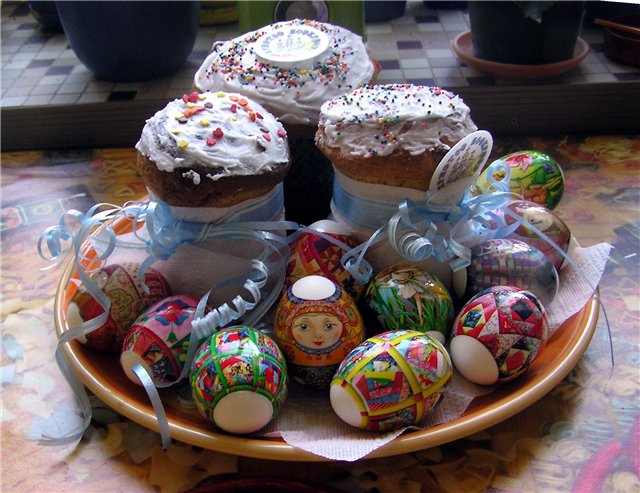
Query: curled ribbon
[
  {"x": 165, "y": 234},
  {"x": 413, "y": 230}
]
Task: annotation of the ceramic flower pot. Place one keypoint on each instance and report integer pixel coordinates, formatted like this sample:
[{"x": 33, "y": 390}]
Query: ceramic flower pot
[
  {"x": 525, "y": 33},
  {"x": 130, "y": 41}
]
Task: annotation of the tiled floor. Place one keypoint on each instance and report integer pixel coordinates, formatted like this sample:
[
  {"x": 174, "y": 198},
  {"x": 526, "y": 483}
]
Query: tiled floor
[{"x": 39, "y": 67}]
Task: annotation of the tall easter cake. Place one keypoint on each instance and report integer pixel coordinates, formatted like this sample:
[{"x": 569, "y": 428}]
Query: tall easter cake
[
  {"x": 290, "y": 67},
  {"x": 212, "y": 150}
]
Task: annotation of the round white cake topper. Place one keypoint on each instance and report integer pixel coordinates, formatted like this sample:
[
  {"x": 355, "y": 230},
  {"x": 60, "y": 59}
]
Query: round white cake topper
[
  {"x": 290, "y": 46},
  {"x": 461, "y": 166}
]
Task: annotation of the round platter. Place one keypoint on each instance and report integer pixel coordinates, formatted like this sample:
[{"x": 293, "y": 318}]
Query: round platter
[
  {"x": 463, "y": 47},
  {"x": 102, "y": 374}
]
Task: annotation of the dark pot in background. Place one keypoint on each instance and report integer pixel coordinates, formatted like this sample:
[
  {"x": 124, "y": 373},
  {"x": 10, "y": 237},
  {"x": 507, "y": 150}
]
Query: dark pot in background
[
  {"x": 621, "y": 46},
  {"x": 378, "y": 11},
  {"x": 46, "y": 13},
  {"x": 130, "y": 41},
  {"x": 502, "y": 33}
]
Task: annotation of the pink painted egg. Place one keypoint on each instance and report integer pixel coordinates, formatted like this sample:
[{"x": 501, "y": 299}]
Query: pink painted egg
[
  {"x": 159, "y": 339},
  {"x": 239, "y": 379},
  {"x": 316, "y": 324},
  {"x": 315, "y": 254},
  {"x": 121, "y": 284},
  {"x": 498, "y": 334},
  {"x": 391, "y": 380}
]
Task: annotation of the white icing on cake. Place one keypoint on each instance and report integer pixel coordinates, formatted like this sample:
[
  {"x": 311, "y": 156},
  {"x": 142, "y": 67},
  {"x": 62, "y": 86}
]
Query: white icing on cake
[
  {"x": 294, "y": 94},
  {"x": 226, "y": 132},
  {"x": 195, "y": 177},
  {"x": 377, "y": 120}
]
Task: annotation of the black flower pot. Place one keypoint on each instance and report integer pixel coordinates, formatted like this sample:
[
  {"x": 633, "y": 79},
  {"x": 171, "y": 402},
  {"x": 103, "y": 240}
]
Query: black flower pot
[
  {"x": 124, "y": 41},
  {"x": 503, "y": 32}
]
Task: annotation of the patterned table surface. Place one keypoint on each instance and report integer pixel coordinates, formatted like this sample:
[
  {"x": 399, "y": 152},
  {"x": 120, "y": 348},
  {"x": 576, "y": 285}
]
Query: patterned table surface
[{"x": 582, "y": 436}]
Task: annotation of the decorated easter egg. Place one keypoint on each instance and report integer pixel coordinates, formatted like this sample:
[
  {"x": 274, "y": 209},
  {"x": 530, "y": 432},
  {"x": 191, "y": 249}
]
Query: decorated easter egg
[
  {"x": 159, "y": 339},
  {"x": 534, "y": 176},
  {"x": 313, "y": 254},
  {"x": 544, "y": 221},
  {"x": 498, "y": 334},
  {"x": 239, "y": 379},
  {"x": 316, "y": 324},
  {"x": 507, "y": 262},
  {"x": 121, "y": 284},
  {"x": 391, "y": 380},
  {"x": 407, "y": 298}
]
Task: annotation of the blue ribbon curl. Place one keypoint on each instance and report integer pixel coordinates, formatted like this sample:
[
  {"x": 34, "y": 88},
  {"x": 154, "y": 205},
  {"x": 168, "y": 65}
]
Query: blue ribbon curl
[
  {"x": 165, "y": 235},
  {"x": 413, "y": 228}
]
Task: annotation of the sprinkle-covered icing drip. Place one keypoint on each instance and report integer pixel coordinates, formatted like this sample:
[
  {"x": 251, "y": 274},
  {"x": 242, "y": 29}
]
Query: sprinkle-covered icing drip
[
  {"x": 376, "y": 120},
  {"x": 222, "y": 131},
  {"x": 294, "y": 94}
]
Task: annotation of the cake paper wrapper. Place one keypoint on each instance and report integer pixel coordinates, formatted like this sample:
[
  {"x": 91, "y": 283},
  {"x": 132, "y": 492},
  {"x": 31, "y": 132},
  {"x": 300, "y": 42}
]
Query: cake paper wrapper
[
  {"x": 308, "y": 422},
  {"x": 577, "y": 282}
]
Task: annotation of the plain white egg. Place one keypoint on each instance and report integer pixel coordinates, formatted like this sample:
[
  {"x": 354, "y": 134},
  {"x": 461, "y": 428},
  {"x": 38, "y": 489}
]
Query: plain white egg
[
  {"x": 473, "y": 360},
  {"x": 313, "y": 288}
]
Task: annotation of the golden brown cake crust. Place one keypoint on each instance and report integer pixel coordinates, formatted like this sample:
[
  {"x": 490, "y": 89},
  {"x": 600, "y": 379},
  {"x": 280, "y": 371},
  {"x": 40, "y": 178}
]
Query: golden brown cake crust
[
  {"x": 178, "y": 188},
  {"x": 400, "y": 169},
  {"x": 392, "y": 134}
]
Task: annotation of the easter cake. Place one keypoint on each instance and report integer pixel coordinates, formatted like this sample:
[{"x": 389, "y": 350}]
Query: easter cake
[
  {"x": 393, "y": 134},
  {"x": 290, "y": 67},
  {"x": 212, "y": 150}
]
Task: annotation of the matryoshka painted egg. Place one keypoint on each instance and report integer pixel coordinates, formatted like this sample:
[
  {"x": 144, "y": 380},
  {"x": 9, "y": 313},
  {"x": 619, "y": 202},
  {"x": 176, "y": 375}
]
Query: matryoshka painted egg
[
  {"x": 535, "y": 176},
  {"x": 239, "y": 379},
  {"x": 316, "y": 324},
  {"x": 120, "y": 283},
  {"x": 407, "y": 298},
  {"x": 391, "y": 380},
  {"x": 498, "y": 334},
  {"x": 312, "y": 254},
  {"x": 159, "y": 340},
  {"x": 506, "y": 262},
  {"x": 544, "y": 220}
]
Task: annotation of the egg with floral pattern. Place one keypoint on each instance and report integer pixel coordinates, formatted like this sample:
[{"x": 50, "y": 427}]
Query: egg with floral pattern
[
  {"x": 121, "y": 284},
  {"x": 404, "y": 297},
  {"x": 159, "y": 340},
  {"x": 533, "y": 175}
]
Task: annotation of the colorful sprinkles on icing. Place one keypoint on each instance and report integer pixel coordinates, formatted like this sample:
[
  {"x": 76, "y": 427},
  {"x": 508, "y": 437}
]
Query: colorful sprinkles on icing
[
  {"x": 327, "y": 71},
  {"x": 224, "y": 131},
  {"x": 376, "y": 119},
  {"x": 235, "y": 66},
  {"x": 238, "y": 103}
]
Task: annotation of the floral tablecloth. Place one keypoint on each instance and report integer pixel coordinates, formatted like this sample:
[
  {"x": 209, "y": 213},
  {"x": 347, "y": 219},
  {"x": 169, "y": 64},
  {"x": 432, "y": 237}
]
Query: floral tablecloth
[{"x": 583, "y": 436}]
